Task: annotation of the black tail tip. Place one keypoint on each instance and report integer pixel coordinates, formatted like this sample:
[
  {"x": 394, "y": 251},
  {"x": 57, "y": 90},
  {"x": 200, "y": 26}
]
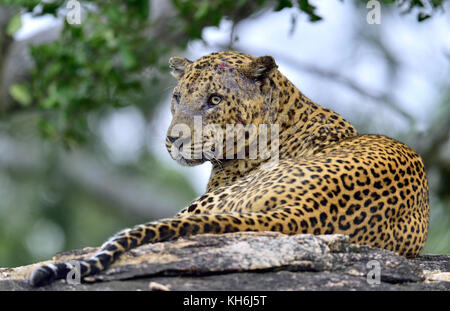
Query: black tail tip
[{"x": 41, "y": 276}]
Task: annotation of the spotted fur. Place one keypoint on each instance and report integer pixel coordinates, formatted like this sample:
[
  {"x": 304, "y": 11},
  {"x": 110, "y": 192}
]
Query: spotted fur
[{"x": 329, "y": 179}]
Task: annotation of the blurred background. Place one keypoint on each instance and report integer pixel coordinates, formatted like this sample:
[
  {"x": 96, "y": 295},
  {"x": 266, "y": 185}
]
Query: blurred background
[{"x": 84, "y": 101}]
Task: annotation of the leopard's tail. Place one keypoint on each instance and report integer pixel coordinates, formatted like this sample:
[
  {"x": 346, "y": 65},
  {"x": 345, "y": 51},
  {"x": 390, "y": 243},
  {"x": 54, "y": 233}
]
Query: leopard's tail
[
  {"x": 109, "y": 252},
  {"x": 49, "y": 273},
  {"x": 160, "y": 231}
]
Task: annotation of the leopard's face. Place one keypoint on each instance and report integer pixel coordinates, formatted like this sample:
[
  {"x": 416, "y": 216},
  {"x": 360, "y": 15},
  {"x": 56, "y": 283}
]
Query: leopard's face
[{"x": 216, "y": 96}]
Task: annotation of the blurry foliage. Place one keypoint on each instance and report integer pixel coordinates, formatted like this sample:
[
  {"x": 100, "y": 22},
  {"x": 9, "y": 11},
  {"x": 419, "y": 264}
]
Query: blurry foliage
[
  {"x": 99, "y": 63},
  {"x": 92, "y": 69},
  {"x": 423, "y": 9},
  {"x": 195, "y": 15}
]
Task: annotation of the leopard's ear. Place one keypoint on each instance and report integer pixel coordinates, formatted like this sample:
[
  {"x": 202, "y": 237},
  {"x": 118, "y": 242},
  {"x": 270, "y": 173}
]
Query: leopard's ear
[
  {"x": 178, "y": 65},
  {"x": 259, "y": 68}
]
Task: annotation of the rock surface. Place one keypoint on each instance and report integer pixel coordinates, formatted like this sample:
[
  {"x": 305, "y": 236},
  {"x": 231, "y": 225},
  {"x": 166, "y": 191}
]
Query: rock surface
[{"x": 252, "y": 261}]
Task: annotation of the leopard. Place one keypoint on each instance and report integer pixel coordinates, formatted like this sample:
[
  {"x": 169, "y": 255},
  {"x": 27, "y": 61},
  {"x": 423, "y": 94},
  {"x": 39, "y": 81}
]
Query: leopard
[{"x": 318, "y": 175}]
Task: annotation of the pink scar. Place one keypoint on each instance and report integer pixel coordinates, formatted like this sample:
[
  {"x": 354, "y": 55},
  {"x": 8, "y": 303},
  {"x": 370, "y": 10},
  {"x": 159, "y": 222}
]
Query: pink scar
[{"x": 225, "y": 65}]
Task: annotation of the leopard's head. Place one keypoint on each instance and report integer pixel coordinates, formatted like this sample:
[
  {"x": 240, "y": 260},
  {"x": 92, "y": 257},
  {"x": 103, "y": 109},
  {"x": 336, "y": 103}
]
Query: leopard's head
[{"x": 217, "y": 97}]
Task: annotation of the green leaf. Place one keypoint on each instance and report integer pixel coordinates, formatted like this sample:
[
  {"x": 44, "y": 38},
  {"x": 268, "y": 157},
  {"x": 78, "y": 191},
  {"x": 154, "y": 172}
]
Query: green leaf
[
  {"x": 21, "y": 94},
  {"x": 127, "y": 58},
  {"x": 51, "y": 101},
  {"x": 422, "y": 16},
  {"x": 309, "y": 9},
  {"x": 15, "y": 23},
  {"x": 314, "y": 18},
  {"x": 46, "y": 129},
  {"x": 202, "y": 11},
  {"x": 240, "y": 3},
  {"x": 283, "y": 4}
]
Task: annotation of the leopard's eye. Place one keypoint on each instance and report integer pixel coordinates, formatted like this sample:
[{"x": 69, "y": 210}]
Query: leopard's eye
[{"x": 215, "y": 99}]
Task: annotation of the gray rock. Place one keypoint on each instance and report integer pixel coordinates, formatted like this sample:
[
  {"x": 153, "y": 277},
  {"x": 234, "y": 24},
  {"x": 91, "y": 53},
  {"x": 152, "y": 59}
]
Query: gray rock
[{"x": 252, "y": 261}]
